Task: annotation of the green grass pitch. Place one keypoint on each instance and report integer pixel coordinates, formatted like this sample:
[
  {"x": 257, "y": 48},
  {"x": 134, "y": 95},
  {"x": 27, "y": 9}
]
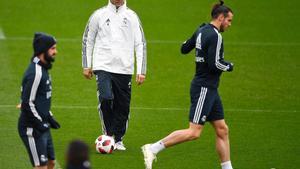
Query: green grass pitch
[{"x": 260, "y": 97}]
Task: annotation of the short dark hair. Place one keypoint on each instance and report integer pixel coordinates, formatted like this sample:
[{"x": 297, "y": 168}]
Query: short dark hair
[
  {"x": 77, "y": 155},
  {"x": 220, "y": 8}
]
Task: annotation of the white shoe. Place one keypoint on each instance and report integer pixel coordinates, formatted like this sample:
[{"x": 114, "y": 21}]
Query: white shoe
[
  {"x": 148, "y": 156},
  {"x": 120, "y": 146}
]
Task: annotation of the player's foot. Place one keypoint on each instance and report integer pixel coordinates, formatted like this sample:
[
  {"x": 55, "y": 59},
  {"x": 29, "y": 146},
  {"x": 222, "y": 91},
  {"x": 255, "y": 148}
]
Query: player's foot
[
  {"x": 148, "y": 156},
  {"x": 120, "y": 146}
]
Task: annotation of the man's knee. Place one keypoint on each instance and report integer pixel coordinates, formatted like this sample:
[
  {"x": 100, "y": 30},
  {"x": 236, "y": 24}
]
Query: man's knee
[
  {"x": 222, "y": 131},
  {"x": 194, "y": 132},
  {"x": 105, "y": 97},
  {"x": 194, "y": 135}
]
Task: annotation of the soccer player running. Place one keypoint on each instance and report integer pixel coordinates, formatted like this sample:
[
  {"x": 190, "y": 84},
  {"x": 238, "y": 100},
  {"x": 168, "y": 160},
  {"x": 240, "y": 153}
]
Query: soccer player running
[
  {"x": 36, "y": 118},
  {"x": 206, "y": 103},
  {"x": 113, "y": 36}
]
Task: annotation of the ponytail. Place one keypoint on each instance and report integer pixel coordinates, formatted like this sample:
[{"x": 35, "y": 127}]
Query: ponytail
[{"x": 220, "y": 8}]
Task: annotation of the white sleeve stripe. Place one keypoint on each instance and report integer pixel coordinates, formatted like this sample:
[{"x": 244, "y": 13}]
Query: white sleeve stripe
[
  {"x": 144, "y": 61},
  {"x": 218, "y": 64},
  {"x": 85, "y": 41},
  {"x": 85, "y": 35},
  {"x": 221, "y": 66},
  {"x": 35, "y": 85}
]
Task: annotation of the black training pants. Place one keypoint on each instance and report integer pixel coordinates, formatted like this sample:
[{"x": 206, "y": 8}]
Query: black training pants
[{"x": 114, "y": 94}]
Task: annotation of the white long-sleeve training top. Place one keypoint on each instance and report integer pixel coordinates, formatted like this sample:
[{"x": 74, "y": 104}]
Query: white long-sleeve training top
[{"x": 110, "y": 40}]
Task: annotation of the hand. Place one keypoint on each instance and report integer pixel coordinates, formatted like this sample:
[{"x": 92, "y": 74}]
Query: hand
[
  {"x": 230, "y": 67},
  {"x": 18, "y": 106},
  {"x": 53, "y": 123},
  {"x": 140, "y": 79},
  {"x": 42, "y": 127},
  {"x": 87, "y": 73}
]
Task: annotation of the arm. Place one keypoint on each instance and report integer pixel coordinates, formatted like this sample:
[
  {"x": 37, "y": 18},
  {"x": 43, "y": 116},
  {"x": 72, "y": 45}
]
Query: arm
[
  {"x": 215, "y": 62},
  {"x": 30, "y": 88},
  {"x": 53, "y": 123},
  {"x": 140, "y": 52},
  {"x": 88, "y": 43},
  {"x": 189, "y": 45}
]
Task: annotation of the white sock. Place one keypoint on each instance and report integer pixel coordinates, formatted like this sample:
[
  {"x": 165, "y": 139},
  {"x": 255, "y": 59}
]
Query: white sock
[
  {"x": 157, "y": 147},
  {"x": 226, "y": 165}
]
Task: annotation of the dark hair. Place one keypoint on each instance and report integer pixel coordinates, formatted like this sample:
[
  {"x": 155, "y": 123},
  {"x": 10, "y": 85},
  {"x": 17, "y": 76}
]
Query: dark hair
[
  {"x": 220, "y": 8},
  {"x": 77, "y": 155}
]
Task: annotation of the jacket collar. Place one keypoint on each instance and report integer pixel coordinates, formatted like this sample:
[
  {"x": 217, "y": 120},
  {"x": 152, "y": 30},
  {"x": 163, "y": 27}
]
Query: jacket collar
[
  {"x": 113, "y": 8},
  {"x": 214, "y": 27},
  {"x": 36, "y": 60}
]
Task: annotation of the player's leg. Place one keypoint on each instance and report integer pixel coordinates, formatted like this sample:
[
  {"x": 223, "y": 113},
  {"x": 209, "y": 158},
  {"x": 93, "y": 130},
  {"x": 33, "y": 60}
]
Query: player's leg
[
  {"x": 41, "y": 167},
  {"x": 180, "y": 136},
  {"x": 222, "y": 136},
  {"x": 222, "y": 142},
  {"x": 176, "y": 137},
  {"x": 122, "y": 96},
  {"x": 201, "y": 104},
  {"x": 51, "y": 164},
  {"x": 200, "y": 107},
  {"x": 34, "y": 142},
  {"x": 50, "y": 151},
  {"x": 105, "y": 98}
]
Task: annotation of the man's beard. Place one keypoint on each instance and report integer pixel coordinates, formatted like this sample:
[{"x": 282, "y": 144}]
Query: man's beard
[
  {"x": 49, "y": 60},
  {"x": 222, "y": 28}
]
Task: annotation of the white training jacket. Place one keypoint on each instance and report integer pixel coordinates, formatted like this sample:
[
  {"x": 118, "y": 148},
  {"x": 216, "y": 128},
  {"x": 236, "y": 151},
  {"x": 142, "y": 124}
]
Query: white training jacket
[{"x": 111, "y": 38}]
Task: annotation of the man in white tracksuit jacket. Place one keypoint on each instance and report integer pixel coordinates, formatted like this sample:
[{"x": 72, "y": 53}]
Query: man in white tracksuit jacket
[{"x": 112, "y": 37}]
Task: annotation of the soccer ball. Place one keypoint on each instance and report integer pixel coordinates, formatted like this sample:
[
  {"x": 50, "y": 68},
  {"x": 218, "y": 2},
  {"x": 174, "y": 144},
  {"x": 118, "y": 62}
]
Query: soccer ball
[{"x": 105, "y": 144}]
